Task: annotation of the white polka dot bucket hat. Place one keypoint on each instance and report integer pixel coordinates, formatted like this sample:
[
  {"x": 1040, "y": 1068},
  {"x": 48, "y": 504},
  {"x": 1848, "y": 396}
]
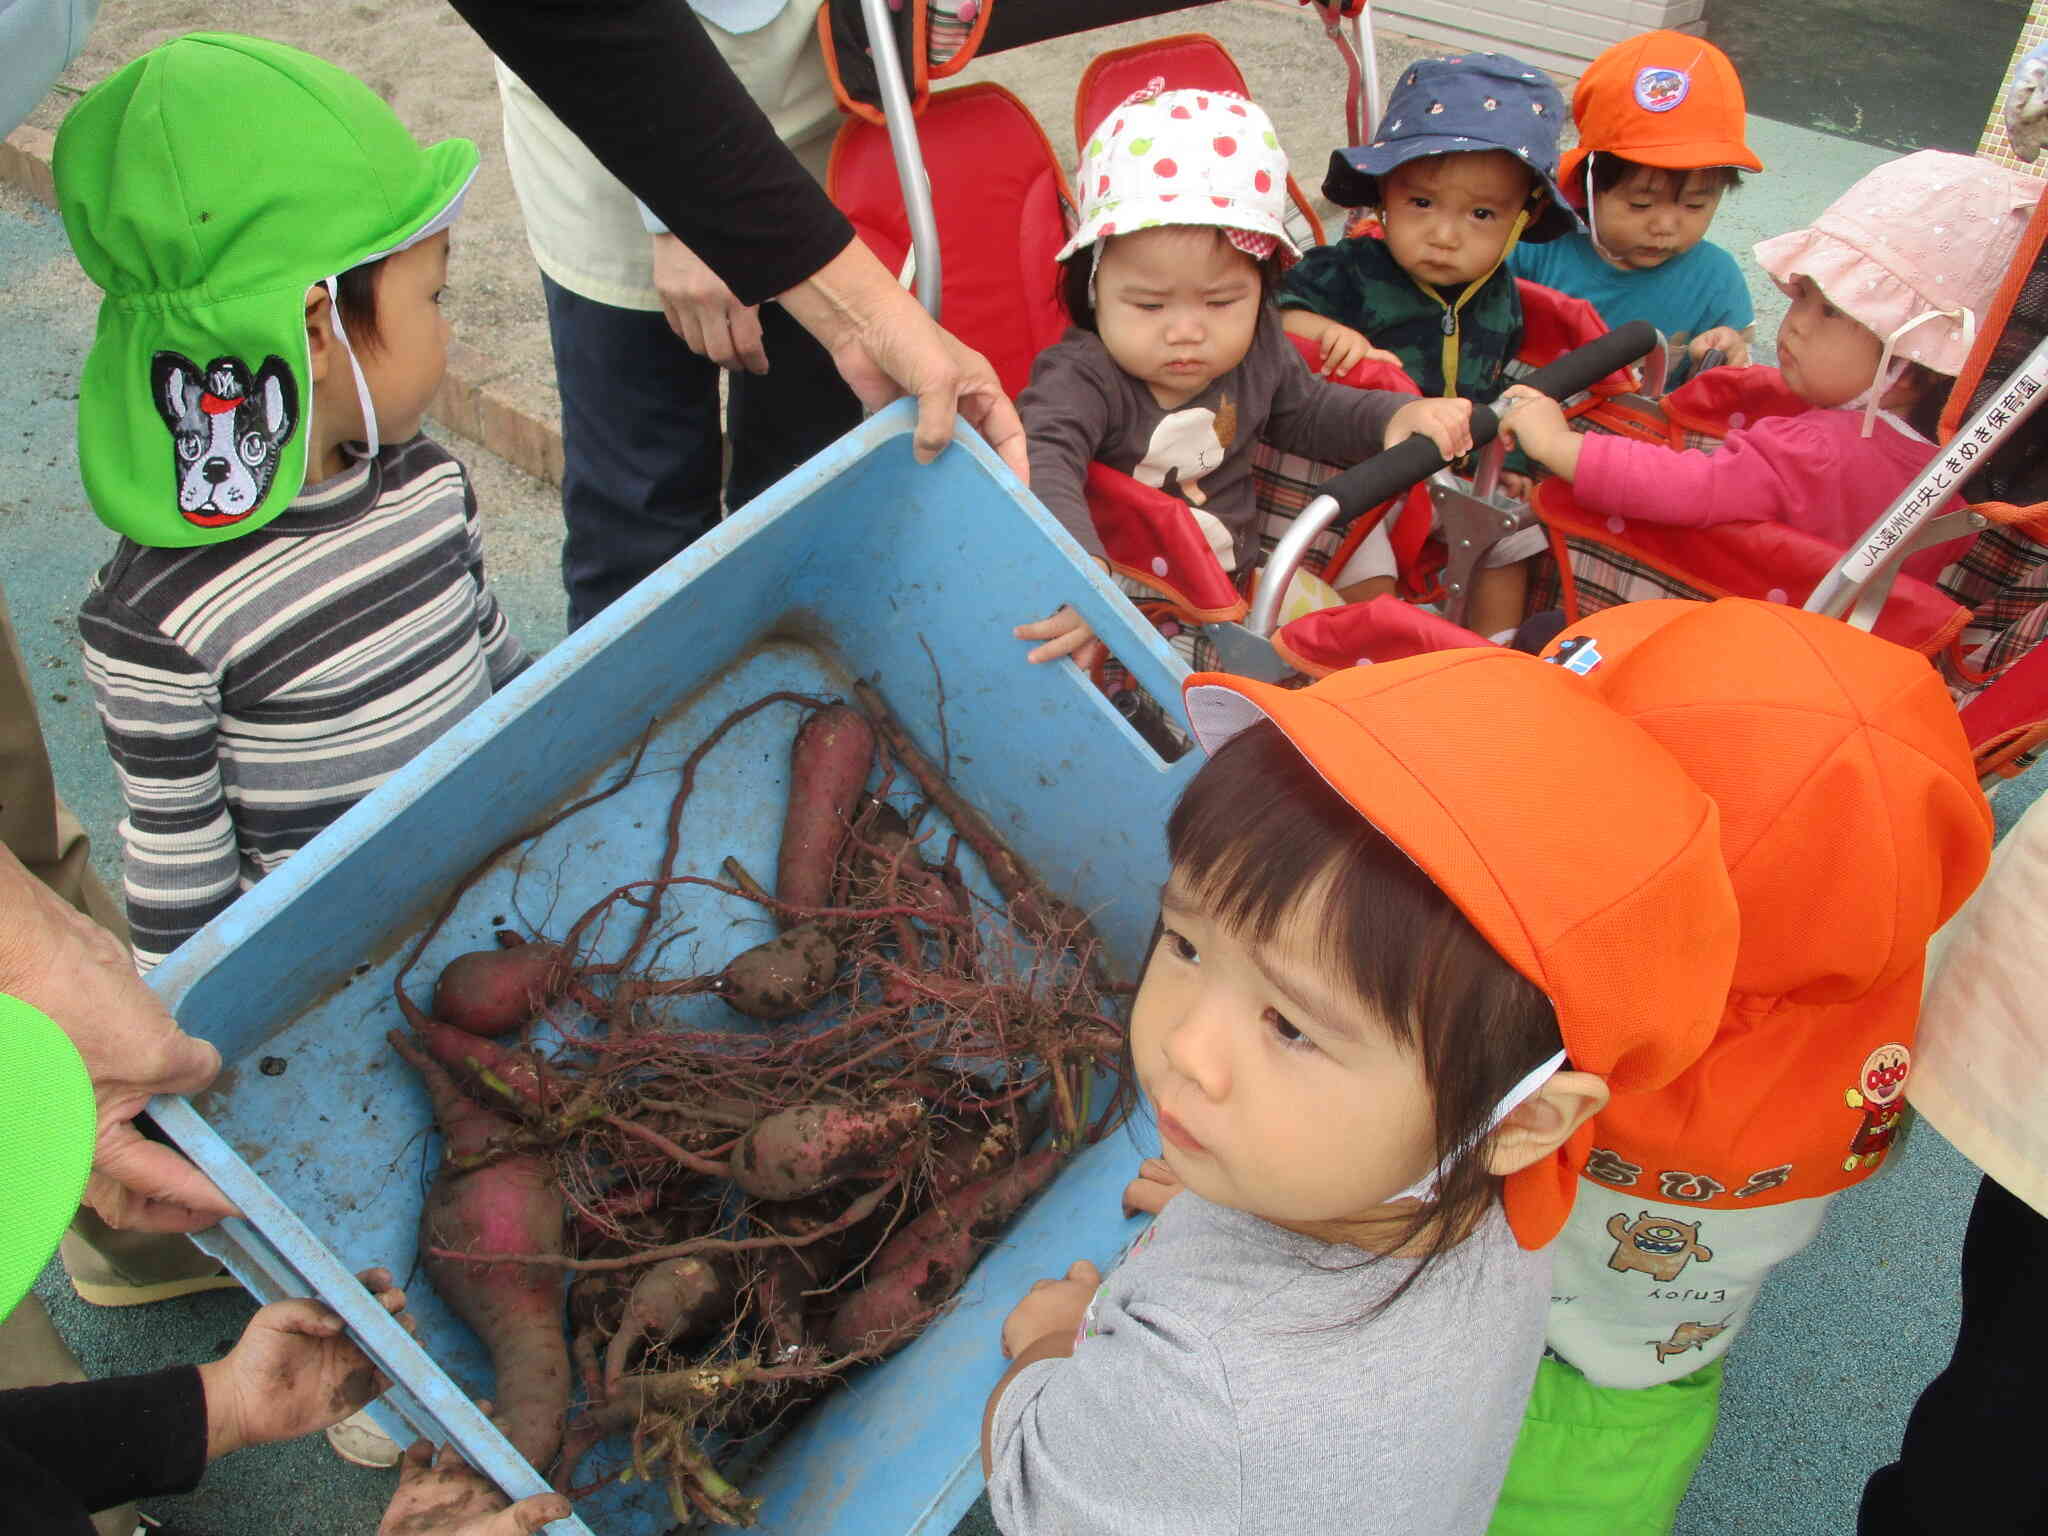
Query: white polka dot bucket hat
[{"x": 1185, "y": 157}]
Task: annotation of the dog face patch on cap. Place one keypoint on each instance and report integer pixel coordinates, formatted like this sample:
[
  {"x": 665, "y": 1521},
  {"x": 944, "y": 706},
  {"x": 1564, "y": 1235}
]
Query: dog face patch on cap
[
  {"x": 228, "y": 430},
  {"x": 1660, "y": 88}
]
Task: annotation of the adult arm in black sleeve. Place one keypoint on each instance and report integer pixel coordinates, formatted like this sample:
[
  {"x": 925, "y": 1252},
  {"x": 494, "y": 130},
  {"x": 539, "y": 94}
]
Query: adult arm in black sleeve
[
  {"x": 639, "y": 82},
  {"x": 90, "y": 1445}
]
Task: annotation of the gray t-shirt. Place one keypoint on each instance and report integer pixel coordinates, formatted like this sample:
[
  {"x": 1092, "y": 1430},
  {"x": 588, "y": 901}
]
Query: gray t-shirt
[
  {"x": 1080, "y": 406},
  {"x": 1222, "y": 1385}
]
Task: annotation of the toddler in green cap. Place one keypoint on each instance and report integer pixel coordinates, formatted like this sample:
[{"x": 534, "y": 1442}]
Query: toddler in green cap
[{"x": 297, "y": 605}]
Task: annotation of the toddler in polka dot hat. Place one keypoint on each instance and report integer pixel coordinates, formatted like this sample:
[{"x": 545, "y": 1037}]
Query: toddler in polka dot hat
[
  {"x": 1176, "y": 362},
  {"x": 1889, "y": 287}
]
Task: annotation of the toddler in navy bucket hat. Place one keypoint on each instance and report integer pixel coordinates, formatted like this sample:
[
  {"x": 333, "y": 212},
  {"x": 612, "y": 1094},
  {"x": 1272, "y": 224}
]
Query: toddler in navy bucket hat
[{"x": 1462, "y": 167}]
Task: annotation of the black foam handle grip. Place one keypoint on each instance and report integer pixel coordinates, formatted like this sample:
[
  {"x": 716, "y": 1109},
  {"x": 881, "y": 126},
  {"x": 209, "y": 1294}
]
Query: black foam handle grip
[{"x": 1386, "y": 475}]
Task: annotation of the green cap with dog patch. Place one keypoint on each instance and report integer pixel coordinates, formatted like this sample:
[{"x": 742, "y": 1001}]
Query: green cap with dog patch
[{"x": 205, "y": 187}]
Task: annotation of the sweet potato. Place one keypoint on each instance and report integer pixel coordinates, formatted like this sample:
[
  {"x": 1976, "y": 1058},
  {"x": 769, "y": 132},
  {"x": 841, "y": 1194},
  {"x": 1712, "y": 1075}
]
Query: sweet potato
[
  {"x": 495, "y": 991},
  {"x": 796, "y": 1152},
  {"x": 961, "y": 1154},
  {"x": 507, "y": 1205},
  {"x": 926, "y": 1262},
  {"x": 501, "y": 1072},
  {"x": 782, "y": 977},
  {"x": 828, "y": 769},
  {"x": 786, "y": 1273},
  {"x": 671, "y": 1300}
]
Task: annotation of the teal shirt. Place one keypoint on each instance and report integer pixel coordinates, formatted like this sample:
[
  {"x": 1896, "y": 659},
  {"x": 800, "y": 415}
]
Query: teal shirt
[{"x": 1687, "y": 295}]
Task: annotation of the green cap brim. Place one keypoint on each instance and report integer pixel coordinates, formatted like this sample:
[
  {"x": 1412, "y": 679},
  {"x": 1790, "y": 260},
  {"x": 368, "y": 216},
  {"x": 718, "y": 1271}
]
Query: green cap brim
[{"x": 47, "y": 1127}]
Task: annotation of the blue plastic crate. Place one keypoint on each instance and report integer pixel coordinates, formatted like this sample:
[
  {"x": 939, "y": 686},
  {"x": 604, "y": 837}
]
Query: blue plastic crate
[{"x": 862, "y": 563}]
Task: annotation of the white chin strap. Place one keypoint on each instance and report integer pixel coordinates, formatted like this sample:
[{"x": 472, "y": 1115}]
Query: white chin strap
[
  {"x": 1890, "y": 369},
  {"x": 1425, "y": 1187},
  {"x": 362, "y": 385}
]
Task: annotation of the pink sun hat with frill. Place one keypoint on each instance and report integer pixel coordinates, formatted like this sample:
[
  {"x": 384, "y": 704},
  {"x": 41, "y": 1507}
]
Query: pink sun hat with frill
[
  {"x": 1185, "y": 157},
  {"x": 1914, "y": 252}
]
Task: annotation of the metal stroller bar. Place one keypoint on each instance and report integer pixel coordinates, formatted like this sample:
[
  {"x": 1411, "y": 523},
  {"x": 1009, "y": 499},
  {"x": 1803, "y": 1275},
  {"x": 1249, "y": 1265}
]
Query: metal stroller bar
[
  {"x": 1386, "y": 474},
  {"x": 1855, "y": 589},
  {"x": 908, "y": 153}
]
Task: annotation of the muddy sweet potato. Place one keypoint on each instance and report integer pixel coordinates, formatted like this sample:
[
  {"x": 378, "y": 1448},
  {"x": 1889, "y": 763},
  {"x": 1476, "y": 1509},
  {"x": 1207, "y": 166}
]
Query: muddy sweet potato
[
  {"x": 922, "y": 1266},
  {"x": 828, "y": 769},
  {"x": 671, "y": 1300},
  {"x": 506, "y": 1204},
  {"x": 495, "y": 991},
  {"x": 796, "y": 1152},
  {"x": 499, "y": 1071},
  {"x": 782, "y": 977}
]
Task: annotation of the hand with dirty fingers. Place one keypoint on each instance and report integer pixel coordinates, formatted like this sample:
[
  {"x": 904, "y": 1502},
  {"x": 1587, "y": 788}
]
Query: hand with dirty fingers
[
  {"x": 294, "y": 1370},
  {"x": 438, "y": 1495}
]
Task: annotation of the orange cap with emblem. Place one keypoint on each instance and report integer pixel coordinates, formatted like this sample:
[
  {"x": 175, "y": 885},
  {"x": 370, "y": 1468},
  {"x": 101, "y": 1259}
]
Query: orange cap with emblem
[
  {"x": 1572, "y": 841},
  {"x": 1666, "y": 99}
]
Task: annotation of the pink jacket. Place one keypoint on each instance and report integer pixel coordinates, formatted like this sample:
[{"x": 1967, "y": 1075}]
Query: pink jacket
[{"x": 1810, "y": 471}]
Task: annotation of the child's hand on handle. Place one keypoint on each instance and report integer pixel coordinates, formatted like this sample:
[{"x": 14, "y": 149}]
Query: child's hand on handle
[
  {"x": 294, "y": 1370},
  {"x": 1051, "y": 1308},
  {"x": 438, "y": 1495},
  {"x": 1155, "y": 1184},
  {"x": 1532, "y": 421},
  {"x": 1445, "y": 422},
  {"x": 1066, "y": 633},
  {"x": 1732, "y": 344}
]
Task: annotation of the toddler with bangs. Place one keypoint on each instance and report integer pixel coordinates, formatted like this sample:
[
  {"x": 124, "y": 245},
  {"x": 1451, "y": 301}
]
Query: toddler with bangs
[
  {"x": 1369, "y": 1030},
  {"x": 1885, "y": 309},
  {"x": 1176, "y": 363},
  {"x": 1661, "y": 119},
  {"x": 1461, "y": 170}
]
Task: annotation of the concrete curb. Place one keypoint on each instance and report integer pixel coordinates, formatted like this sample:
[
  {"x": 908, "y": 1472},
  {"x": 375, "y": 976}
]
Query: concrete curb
[{"x": 471, "y": 399}]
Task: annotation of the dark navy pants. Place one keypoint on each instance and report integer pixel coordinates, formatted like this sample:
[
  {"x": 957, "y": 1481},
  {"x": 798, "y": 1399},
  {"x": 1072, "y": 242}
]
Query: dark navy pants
[
  {"x": 642, "y": 450},
  {"x": 1973, "y": 1459}
]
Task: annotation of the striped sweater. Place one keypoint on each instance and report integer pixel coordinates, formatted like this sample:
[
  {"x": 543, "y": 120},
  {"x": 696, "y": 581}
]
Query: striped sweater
[{"x": 252, "y": 691}]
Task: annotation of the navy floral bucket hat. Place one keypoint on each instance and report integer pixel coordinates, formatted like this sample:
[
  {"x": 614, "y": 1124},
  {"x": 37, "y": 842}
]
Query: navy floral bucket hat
[{"x": 1459, "y": 105}]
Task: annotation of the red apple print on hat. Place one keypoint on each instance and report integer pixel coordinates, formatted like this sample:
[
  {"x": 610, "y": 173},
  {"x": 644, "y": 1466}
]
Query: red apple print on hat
[
  {"x": 1165, "y": 167},
  {"x": 1220, "y": 202},
  {"x": 1167, "y": 197},
  {"x": 1237, "y": 109},
  {"x": 1102, "y": 186},
  {"x": 1225, "y": 146},
  {"x": 1263, "y": 182},
  {"x": 1106, "y": 231},
  {"x": 1182, "y": 113},
  {"x": 1202, "y": 102}
]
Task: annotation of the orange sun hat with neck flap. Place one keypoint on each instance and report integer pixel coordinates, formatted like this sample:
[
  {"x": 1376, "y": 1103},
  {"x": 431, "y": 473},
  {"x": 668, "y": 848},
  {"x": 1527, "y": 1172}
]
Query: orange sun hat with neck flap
[{"x": 1575, "y": 844}]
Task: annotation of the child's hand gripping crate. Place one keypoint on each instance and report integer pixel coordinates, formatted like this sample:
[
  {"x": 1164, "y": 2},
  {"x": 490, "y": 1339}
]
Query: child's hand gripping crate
[{"x": 860, "y": 565}]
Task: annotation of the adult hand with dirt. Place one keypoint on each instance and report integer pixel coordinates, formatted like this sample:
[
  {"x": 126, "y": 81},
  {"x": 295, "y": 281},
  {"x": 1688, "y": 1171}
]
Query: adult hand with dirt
[
  {"x": 705, "y": 313},
  {"x": 79, "y": 975},
  {"x": 438, "y": 1495}
]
